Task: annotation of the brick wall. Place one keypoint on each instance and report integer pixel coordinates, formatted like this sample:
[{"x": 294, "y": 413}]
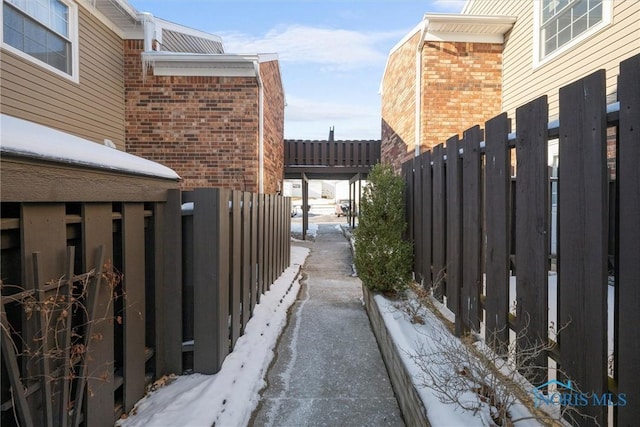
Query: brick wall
[
  {"x": 398, "y": 104},
  {"x": 273, "y": 126},
  {"x": 205, "y": 128},
  {"x": 462, "y": 87}
]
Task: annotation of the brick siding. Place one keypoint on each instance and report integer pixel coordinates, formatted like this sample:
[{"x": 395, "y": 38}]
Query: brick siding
[
  {"x": 273, "y": 127},
  {"x": 398, "y": 105},
  {"x": 205, "y": 128},
  {"x": 461, "y": 87}
]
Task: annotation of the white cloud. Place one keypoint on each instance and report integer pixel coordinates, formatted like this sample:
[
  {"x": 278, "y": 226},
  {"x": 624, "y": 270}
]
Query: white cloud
[
  {"x": 301, "y": 109},
  {"x": 345, "y": 49},
  {"x": 311, "y": 119}
]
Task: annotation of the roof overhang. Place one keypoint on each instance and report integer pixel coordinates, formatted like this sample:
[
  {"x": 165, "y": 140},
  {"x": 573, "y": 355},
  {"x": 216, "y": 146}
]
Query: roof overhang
[
  {"x": 118, "y": 15},
  {"x": 211, "y": 65},
  {"x": 466, "y": 28}
]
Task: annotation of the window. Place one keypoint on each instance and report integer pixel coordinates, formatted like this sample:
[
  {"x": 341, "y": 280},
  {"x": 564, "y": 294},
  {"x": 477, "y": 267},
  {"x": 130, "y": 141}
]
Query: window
[
  {"x": 561, "y": 23},
  {"x": 44, "y": 30}
]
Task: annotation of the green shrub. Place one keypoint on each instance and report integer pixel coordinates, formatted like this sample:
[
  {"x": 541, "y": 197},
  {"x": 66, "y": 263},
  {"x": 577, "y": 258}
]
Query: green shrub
[{"x": 383, "y": 259}]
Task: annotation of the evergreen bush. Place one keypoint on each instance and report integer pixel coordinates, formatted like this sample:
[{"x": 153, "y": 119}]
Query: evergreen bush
[{"x": 382, "y": 258}]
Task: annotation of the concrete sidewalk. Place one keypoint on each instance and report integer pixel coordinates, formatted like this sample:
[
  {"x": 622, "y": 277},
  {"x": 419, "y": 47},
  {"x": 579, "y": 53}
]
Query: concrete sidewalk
[{"x": 328, "y": 370}]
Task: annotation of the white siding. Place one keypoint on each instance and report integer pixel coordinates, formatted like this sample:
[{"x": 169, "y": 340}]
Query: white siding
[{"x": 603, "y": 50}]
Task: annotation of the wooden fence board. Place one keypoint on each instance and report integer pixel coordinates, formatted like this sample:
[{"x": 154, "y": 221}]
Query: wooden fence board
[
  {"x": 532, "y": 228},
  {"x": 261, "y": 245},
  {"x": 211, "y": 278},
  {"x": 254, "y": 251},
  {"x": 627, "y": 364},
  {"x": 426, "y": 216},
  {"x": 40, "y": 220},
  {"x": 497, "y": 208},
  {"x": 471, "y": 230},
  {"x": 439, "y": 223},
  {"x": 454, "y": 230},
  {"x": 268, "y": 236},
  {"x": 582, "y": 267},
  {"x": 97, "y": 231},
  {"x": 44, "y": 337},
  {"x": 246, "y": 258},
  {"x": 235, "y": 243},
  {"x": 134, "y": 306},
  {"x": 169, "y": 299}
]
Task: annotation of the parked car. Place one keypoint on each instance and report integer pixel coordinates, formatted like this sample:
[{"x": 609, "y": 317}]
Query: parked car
[{"x": 343, "y": 206}]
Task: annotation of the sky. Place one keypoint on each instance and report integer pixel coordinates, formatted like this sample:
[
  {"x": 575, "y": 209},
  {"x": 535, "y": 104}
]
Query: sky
[{"x": 332, "y": 53}]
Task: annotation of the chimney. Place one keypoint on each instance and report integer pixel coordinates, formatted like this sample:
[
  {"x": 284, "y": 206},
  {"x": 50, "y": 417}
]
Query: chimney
[{"x": 331, "y": 129}]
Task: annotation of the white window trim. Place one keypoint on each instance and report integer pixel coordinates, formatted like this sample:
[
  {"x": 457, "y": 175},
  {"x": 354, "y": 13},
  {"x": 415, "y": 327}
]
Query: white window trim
[
  {"x": 73, "y": 37},
  {"x": 607, "y": 19}
]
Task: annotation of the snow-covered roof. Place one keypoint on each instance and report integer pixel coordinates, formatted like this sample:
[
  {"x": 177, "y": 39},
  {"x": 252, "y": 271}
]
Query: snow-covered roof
[{"x": 26, "y": 139}]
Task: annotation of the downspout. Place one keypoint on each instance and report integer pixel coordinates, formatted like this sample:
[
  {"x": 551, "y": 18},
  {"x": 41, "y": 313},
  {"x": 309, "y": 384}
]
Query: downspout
[
  {"x": 256, "y": 66},
  {"x": 148, "y": 28},
  {"x": 418, "y": 117}
]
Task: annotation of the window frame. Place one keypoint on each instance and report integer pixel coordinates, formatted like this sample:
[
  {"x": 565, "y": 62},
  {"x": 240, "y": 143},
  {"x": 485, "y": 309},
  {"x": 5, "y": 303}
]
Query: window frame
[
  {"x": 538, "y": 59},
  {"x": 74, "y": 76}
]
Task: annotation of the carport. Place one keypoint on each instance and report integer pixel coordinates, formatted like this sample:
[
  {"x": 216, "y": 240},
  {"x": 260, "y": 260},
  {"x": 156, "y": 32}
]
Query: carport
[{"x": 331, "y": 160}]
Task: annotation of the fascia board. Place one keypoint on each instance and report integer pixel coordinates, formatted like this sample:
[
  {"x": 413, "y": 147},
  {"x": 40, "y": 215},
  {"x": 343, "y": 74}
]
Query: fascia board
[
  {"x": 463, "y": 37},
  {"x": 197, "y": 57},
  {"x": 161, "y": 69}
]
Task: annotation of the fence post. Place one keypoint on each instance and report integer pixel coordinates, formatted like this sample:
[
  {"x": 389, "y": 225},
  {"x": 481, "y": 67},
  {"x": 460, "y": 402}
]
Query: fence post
[
  {"x": 247, "y": 308},
  {"x": 133, "y": 284},
  {"x": 235, "y": 240},
  {"x": 439, "y": 223},
  {"x": 169, "y": 308},
  {"x": 627, "y": 364},
  {"x": 253, "y": 282},
  {"x": 497, "y": 192},
  {"x": 582, "y": 244},
  {"x": 532, "y": 228},
  {"x": 97, "y": 230},
  {"x": 426, "y": 215},
  {"x": 454, "y": 232},
  {"x": 211, "y": 278},
  {"x": 471, "y": 230}
]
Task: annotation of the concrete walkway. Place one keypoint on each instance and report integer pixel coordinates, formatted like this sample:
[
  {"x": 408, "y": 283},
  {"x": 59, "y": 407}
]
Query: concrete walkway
[{"x": 328, "y": 370}]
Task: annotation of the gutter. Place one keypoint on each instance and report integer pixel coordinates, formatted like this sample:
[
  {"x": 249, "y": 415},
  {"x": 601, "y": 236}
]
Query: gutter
[
  {"x": 150, "y": 56},
  {"x": 148, "y": 29}
]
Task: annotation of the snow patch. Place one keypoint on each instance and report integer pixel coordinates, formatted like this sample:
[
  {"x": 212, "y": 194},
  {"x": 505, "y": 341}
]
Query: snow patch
[
  {"x": 27, "y": 139},
  {"x": 229, "y": 397}
]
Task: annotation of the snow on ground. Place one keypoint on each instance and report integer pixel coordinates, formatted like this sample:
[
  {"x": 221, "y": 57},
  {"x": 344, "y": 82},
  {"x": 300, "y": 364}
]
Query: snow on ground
[
  {"x": 296, "y": 228},
  {"x": 229, "y": 397},
  {"x": 408, "y": 337}
]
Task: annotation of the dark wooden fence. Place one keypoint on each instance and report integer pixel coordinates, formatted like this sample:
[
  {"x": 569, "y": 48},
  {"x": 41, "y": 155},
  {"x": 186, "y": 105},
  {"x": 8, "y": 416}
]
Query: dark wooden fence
[
  {"x": 474, "y": 227},
  {"x": 93, "y": 285},
  {"x": 236, "y": 244},
  {"x": 331, "y": 153}
]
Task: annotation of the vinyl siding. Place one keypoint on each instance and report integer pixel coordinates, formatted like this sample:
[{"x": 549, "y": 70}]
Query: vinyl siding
[
  {"x": 92, "y": 109},
  {"x": 603, "y": 50}
]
